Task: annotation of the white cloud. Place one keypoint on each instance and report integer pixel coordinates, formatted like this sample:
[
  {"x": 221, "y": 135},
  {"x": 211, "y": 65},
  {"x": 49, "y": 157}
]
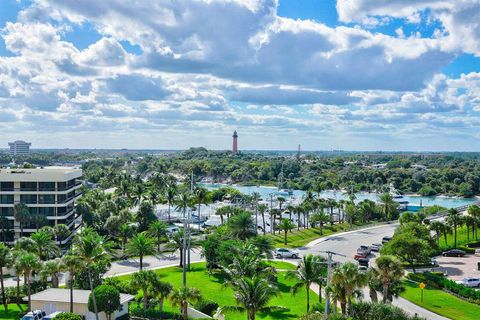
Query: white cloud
[{"x": 211, "y": 66}]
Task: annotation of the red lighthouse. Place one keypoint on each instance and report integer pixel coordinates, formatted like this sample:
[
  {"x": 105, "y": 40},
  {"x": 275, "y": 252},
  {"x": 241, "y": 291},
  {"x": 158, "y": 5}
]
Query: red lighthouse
[{"x": 235, "y": 145}]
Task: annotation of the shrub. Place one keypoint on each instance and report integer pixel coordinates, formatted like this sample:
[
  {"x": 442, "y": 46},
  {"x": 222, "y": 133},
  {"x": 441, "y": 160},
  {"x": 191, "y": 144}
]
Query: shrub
[
  {"x": 207, "y": 306},
  {"x": 368, "y": 310},
  {"x": 435, "y": 280},
  {"x": 108, "y": 300},
  {"x": 68, "y": 316},
  {"x": 151, "y": 313},
  {"x": 467, "y": 249}
]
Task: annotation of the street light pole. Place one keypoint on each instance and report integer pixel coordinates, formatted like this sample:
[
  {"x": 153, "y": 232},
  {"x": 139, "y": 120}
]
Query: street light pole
[{"x": 330, "y": 255}]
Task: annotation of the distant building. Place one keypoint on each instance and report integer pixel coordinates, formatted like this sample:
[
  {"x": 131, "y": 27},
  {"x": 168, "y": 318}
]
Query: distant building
[
  {"x": 19, "y": 148},
  {"x": 235, "y": 142},
  {"x": 49, "y": 193}
]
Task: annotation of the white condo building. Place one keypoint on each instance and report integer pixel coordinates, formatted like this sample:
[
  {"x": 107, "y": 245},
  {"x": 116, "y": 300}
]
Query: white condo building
[
  {"x": 49, "y": 193},
  {"x": 19, "y": 148}
]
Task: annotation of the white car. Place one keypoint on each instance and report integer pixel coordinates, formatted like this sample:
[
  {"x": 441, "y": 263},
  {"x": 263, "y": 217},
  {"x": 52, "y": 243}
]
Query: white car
[
  {"x": 470, "y": 282},
  {"x": 376, "y": 247},
  {"x": 34, "y": 315},
  {"x": 285, "y": 253}
]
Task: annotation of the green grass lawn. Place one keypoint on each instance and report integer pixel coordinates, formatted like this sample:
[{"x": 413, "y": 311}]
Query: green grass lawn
[
  {"x": 211, "y": 288},
  {"x": 441, "y": 302},
  {"x": 462, "y": 238},
  {"x": 14, "y": 311},
  {"x": 282, "y": 265},
  {"x": 302, "y": 237}
]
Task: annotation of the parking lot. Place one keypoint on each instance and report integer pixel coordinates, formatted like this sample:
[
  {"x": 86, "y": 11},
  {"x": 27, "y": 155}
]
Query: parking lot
[{"x": 459, "y": 268}]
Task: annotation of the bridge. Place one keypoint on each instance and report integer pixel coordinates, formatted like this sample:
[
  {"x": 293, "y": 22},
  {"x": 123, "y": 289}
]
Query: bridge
[{"x": 459, "y": 209}]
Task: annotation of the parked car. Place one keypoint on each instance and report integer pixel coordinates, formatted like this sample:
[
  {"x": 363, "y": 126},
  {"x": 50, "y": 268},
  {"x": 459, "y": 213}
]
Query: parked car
[
  {"x": 285, "y": 253},
  {"x": 454, "y": 253},
  {"x": 470, "y": 282},
  {"x": 362, "y": 268},
  {"x": 477, "y": 252},
  {"x": 360, "y": 255},
  {"x": 386, "y": 239},
  {"x": 52, "y": 316},
  {"x": 363, "y": 262},
  {"x": 364, "y": 248},
  {"x": 376, "y": 247},
  {"x": 34, "y": 315}
]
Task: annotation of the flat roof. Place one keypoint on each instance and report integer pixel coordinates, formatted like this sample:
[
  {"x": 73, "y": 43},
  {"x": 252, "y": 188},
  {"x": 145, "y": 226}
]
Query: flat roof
[
  {"x": 63, "y": 295},
  {"x": 40, "y": 174}
]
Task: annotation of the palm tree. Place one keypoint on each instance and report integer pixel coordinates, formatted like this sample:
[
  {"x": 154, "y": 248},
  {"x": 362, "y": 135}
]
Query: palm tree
[
  {"x": 141, "y": 280},
  {"x": 90, "y": 247},
  {"x": 242, "y": 225},
  {"x": 389, "y": 206},
  {"x": 170, "y": 196},
  {"x": 474, "y": 211},
  {"x": 349, "y": 277},
  {"x": 21, "y": 214},
  {"x": 176, "y": 243},
  {"x": 305, "y": 275},
  {"x": 286, "y": 225},
  {"x": 125, "y": 232},
  {"x": 5, "y": 260},
  {"x": 72, "y": 264},
  {"x": 160, "y": 289},
  {"x": 373, "y": 282},
  {"x": 222, "y": 211},
  {"x": 453, "y": 219},
  {"x": 44, "y": 245},
  {"x": 61, "y": 232},
  {"x": 281, "y": 201},
  {"x": 262, "y": 209},
  {"x": 158, "y": 230},
  {"x": 29, "y": 263},
  {"x": 437, "y": 227},
  {"x": 201, "y": 197},
  {"x": 181, "y": 297},
  {"x": 52, "y": 269},
  {"x": 252, "y": 295},
  {"x": 140, "y": 246},
  {"x": 321, "y": 218},
  {"x": 390, "y": 269},
  {"x": 350, "y": 212}
]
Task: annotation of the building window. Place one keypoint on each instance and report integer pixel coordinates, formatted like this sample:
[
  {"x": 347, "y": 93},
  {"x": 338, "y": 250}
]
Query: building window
[
  {"x": 6, "y": 186},
  {"x": 47, "y": 211},
  {"x": 6, "y": 212},
  {"x": 46, "y": 186},
  {"x": 28, "y": 198},
  {"x": 61, "y": 186},
  {"x": 46, "y": 199},
  {"x": 6, "y": 199},
  {"x": 28, "y": 186}
]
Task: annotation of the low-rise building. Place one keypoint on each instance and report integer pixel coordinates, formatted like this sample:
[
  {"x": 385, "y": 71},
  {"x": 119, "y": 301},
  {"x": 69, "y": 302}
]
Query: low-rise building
[
  {"x": 54, "y": 299},
  {"x": 49, "y": 193}
]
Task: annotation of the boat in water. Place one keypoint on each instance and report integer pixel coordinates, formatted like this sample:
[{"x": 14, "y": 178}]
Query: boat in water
[{"x": 397, "y": 197}]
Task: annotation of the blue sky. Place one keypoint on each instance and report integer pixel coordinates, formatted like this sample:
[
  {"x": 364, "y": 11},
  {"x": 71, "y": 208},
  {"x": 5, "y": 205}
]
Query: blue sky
[{"x": 327, "y": 74}]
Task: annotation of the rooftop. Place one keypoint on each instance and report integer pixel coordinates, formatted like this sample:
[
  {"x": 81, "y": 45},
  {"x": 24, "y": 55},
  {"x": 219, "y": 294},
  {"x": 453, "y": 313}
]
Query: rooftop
[
  {"x": 40, "y": 174},
  {"x": 63, "y": 295}
]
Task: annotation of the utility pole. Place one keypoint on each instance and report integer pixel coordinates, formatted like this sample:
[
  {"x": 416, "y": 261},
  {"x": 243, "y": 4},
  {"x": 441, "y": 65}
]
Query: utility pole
[
  {"x": 188, "y": 223},
  {"x": 256, "y": 215},
  {"x": 272, "y": 230},
  {"x": 184, "y": 253},
  {"x": 330, "y": 254}
]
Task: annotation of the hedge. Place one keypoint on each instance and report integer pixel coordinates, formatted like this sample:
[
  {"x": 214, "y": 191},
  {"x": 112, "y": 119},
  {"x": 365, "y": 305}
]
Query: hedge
[{"x": 439, "y": 281}]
